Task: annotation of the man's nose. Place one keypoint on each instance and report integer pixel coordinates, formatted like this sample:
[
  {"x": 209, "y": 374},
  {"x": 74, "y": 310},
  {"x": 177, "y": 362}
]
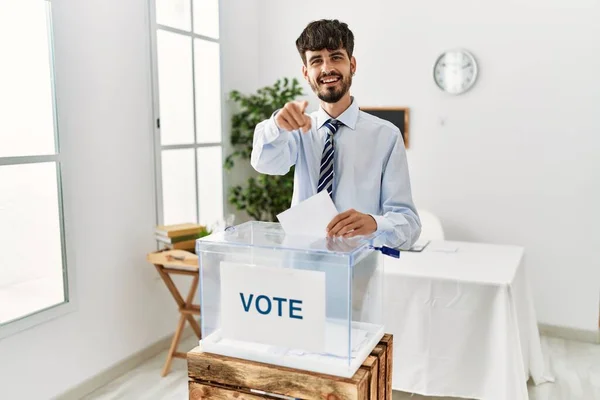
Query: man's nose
[{"x": 326, "y": 67}]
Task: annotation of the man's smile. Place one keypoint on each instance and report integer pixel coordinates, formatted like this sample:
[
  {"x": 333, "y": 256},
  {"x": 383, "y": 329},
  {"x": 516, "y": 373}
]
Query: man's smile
[{"x": 330, "y": 80}]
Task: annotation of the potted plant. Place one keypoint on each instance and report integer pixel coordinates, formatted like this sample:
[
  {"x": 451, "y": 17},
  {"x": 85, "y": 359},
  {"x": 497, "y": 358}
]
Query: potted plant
[{"x": 263, "y": 196}]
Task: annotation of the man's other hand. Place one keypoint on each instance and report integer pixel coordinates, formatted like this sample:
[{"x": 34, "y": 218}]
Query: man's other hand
[{"x": 351, "y": 223}]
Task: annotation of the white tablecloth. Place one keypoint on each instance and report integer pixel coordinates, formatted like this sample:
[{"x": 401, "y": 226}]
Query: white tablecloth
[{"x": 463, "y": 322}]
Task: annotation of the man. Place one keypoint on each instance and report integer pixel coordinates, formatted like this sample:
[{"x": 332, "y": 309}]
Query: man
[{"x": 358, "y": 158}]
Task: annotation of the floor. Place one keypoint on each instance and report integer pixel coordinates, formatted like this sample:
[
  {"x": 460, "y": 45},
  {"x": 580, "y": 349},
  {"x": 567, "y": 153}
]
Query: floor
[{"x": 576, "y": 367}]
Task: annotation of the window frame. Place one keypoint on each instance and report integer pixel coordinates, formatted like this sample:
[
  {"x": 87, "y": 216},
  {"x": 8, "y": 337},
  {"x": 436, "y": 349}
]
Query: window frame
[
  {"x": 69, "y": 304},
  {"x": 158, "y": 147}
]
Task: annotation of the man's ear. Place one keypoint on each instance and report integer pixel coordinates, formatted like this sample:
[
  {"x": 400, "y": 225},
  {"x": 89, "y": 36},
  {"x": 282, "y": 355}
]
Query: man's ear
[
  {"x": 353, "y": 65},
  {"x": 305, "y": 72}
]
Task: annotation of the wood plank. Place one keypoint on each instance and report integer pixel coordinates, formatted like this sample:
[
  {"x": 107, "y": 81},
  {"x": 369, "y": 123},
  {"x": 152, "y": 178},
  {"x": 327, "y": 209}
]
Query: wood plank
[
  {"x": 362, "y": 390},
  {"x": 194, "y": 324},
  {"x": 170, "y": 285},
  {"x": 388, "y": 340},
  {"x": 371, "y": 365},
  {"x": 191, "y": 311},
  {"x": 379, "y": 352},
  {"x": 189, "y": 300},
  {"x": 180, "y": 272},
  {"x": 174, "y": 258},
  {"x": 174, "y": 344},
  {"x": 234, "y": 372},
  {"x": 202, "y": 391}
]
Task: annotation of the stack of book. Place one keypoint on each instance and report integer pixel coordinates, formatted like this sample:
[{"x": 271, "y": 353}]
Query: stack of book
[{"x": 179, "y": 236}]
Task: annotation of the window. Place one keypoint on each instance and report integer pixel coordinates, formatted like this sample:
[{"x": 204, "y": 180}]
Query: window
[
  {"x": 32, "y": 257},
  {"x": 187, "y": 101}
]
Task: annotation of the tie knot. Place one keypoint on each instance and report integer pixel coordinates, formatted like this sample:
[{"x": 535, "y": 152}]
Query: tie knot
[{"x": 333, "y": 125}]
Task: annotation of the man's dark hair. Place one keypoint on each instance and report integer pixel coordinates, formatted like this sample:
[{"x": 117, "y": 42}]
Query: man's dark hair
[{"x": 325, "y": 34}]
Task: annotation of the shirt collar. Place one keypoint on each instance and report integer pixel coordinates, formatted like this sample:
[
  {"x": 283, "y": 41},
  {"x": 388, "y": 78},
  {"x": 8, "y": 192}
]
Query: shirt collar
[{"x": 348, "y": 117}]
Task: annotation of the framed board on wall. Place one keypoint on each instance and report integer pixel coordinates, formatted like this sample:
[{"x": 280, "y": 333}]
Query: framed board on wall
[{"x": 398, "y": 116}]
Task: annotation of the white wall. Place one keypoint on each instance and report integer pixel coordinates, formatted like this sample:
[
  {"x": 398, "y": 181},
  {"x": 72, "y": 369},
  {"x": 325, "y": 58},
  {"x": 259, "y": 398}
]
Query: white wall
[
  {"x": 517, "y": 159},
  {"x": 239, "y": 70},
  {"x": 104, "y": 98}
]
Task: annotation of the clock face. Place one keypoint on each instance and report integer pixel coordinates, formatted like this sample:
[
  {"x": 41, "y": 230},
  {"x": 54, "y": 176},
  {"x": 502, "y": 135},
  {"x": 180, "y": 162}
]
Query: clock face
[{"x": 455, "y": 71}]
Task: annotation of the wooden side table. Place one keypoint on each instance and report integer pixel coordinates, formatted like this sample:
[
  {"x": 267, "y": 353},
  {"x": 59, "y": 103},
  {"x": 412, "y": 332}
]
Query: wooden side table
[
  {"x": 218, "y": 377},
  {"x": 178, "y": 262}
]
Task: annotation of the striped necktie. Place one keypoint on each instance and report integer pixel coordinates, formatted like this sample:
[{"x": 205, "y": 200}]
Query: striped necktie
[{"x": 326, "y": 171}]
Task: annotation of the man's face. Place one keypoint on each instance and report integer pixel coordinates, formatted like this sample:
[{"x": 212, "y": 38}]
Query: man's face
[{"x": 329, "y": 73}]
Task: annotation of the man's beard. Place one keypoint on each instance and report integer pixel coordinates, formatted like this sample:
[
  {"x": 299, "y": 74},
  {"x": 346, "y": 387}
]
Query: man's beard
[{"x": 332, "y": 94}]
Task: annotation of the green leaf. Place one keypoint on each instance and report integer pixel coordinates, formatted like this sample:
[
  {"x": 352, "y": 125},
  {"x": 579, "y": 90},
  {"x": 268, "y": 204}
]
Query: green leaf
[{"x": 265, "y": 196}]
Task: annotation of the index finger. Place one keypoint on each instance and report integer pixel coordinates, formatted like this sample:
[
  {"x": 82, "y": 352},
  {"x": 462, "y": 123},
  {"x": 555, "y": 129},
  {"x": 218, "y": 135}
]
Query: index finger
[
  {"x": 299, "y": 111},
  {"x": 338, "y": 218},
  {"x": 302, "y": 105},
  {"x": 295, "y": 114}
]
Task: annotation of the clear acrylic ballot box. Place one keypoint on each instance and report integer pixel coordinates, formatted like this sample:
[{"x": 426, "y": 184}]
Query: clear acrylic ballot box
[{"x": 309, "y": 303}]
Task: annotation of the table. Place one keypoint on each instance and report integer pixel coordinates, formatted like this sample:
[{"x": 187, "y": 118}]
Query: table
[
  {"x": 178, "y": 262},
  {"x": 463, "y": 322}
]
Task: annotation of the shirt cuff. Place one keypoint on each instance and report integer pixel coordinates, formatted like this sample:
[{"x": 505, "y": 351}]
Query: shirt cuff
[
  {"x": 383, "y": 224},
  {"x": 272, "y": 131}
]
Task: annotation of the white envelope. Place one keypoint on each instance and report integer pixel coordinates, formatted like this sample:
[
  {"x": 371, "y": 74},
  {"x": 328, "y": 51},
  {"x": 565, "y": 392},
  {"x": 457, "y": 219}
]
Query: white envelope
[{"x": 310, "y": 217}]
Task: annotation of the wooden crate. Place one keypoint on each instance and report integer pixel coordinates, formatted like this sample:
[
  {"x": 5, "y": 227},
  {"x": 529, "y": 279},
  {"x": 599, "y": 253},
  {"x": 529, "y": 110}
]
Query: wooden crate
[{"x": 213, "y": 376}]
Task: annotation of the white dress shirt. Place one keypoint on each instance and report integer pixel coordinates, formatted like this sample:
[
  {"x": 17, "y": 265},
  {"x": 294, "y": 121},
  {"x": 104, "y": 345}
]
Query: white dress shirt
[{"x": 371, "y": 172}]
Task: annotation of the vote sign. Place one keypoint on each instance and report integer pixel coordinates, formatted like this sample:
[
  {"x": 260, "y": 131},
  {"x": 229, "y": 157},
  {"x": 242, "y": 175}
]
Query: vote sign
[{"x": 275, "y": 306}]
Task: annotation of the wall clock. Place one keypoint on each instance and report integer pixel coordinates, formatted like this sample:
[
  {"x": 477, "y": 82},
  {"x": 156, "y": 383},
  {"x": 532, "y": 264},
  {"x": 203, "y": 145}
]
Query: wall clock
[{"x": 455, "y": 71}]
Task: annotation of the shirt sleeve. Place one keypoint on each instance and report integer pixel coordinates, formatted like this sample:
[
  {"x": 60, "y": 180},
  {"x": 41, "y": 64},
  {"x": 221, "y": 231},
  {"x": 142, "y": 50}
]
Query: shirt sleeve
[
  {"x": 400, "y": 221},
  {"x": 274, "y": 150}
]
